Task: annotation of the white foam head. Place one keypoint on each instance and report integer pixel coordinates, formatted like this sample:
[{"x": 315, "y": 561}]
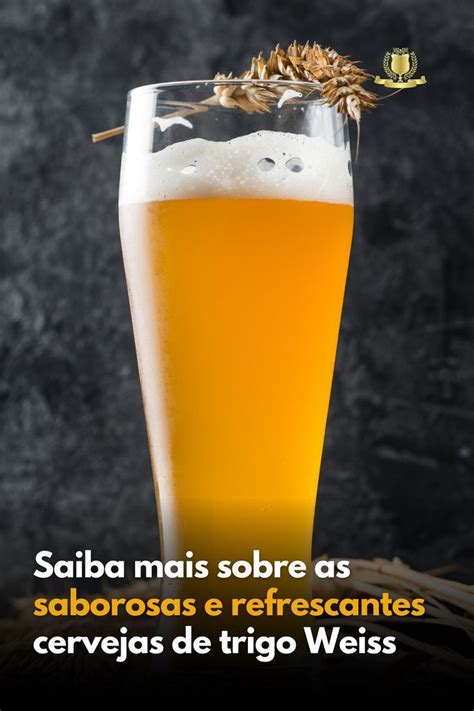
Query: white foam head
[{"x": 265, "y": 164}]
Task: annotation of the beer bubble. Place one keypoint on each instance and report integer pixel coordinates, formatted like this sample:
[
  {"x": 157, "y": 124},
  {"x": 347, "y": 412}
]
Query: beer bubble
[
  {"x": 189, "y": 169},
  {"x": 296, "y": 165},
  {"x": 266, "y": 164}
]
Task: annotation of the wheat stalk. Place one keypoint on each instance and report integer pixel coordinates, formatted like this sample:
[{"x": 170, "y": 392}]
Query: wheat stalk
[
  {"x": 339, "y": 80},
  {"x": 374, "y": 577}
]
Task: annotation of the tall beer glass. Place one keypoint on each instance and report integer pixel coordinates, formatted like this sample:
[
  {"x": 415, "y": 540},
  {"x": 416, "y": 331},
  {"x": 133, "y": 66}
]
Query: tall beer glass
[{"x": 236, "y": 230}]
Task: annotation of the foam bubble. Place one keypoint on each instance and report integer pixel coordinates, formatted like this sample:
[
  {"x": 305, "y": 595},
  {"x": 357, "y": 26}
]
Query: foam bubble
[{"x": 265, "y": 164}]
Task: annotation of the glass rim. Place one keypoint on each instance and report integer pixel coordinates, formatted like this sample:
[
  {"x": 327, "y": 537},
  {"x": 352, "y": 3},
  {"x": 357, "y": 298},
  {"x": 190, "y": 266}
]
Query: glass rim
[{"x": 150, "y": 88}]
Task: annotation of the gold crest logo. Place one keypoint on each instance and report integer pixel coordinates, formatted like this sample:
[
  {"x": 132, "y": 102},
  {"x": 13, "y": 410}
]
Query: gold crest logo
[{"x": 400, "y": 65}]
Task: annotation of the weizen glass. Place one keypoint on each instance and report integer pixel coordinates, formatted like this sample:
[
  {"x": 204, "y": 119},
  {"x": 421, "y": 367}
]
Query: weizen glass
[{"x": 236, "y": 230}]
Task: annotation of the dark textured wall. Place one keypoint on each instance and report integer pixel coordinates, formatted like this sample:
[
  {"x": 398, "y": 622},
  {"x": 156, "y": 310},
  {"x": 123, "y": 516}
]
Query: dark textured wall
[{"x": 398, "y": 463}]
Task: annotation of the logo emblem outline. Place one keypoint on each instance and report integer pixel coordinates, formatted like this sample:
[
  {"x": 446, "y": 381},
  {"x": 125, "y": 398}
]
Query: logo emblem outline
[{"x": 400, "y": 65}]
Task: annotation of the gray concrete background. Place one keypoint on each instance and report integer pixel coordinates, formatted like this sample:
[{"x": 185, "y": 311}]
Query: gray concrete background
[{"x": 398, "y": 463}]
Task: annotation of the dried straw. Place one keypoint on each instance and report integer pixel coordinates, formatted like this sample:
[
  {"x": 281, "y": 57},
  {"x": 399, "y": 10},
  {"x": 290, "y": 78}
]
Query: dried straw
[
  {"x": 339, "y": 79},
  {"x": 448, "y": 604}
]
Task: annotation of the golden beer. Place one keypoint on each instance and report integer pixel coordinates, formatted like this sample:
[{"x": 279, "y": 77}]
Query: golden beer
[{"x": 236, "y": 307}]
